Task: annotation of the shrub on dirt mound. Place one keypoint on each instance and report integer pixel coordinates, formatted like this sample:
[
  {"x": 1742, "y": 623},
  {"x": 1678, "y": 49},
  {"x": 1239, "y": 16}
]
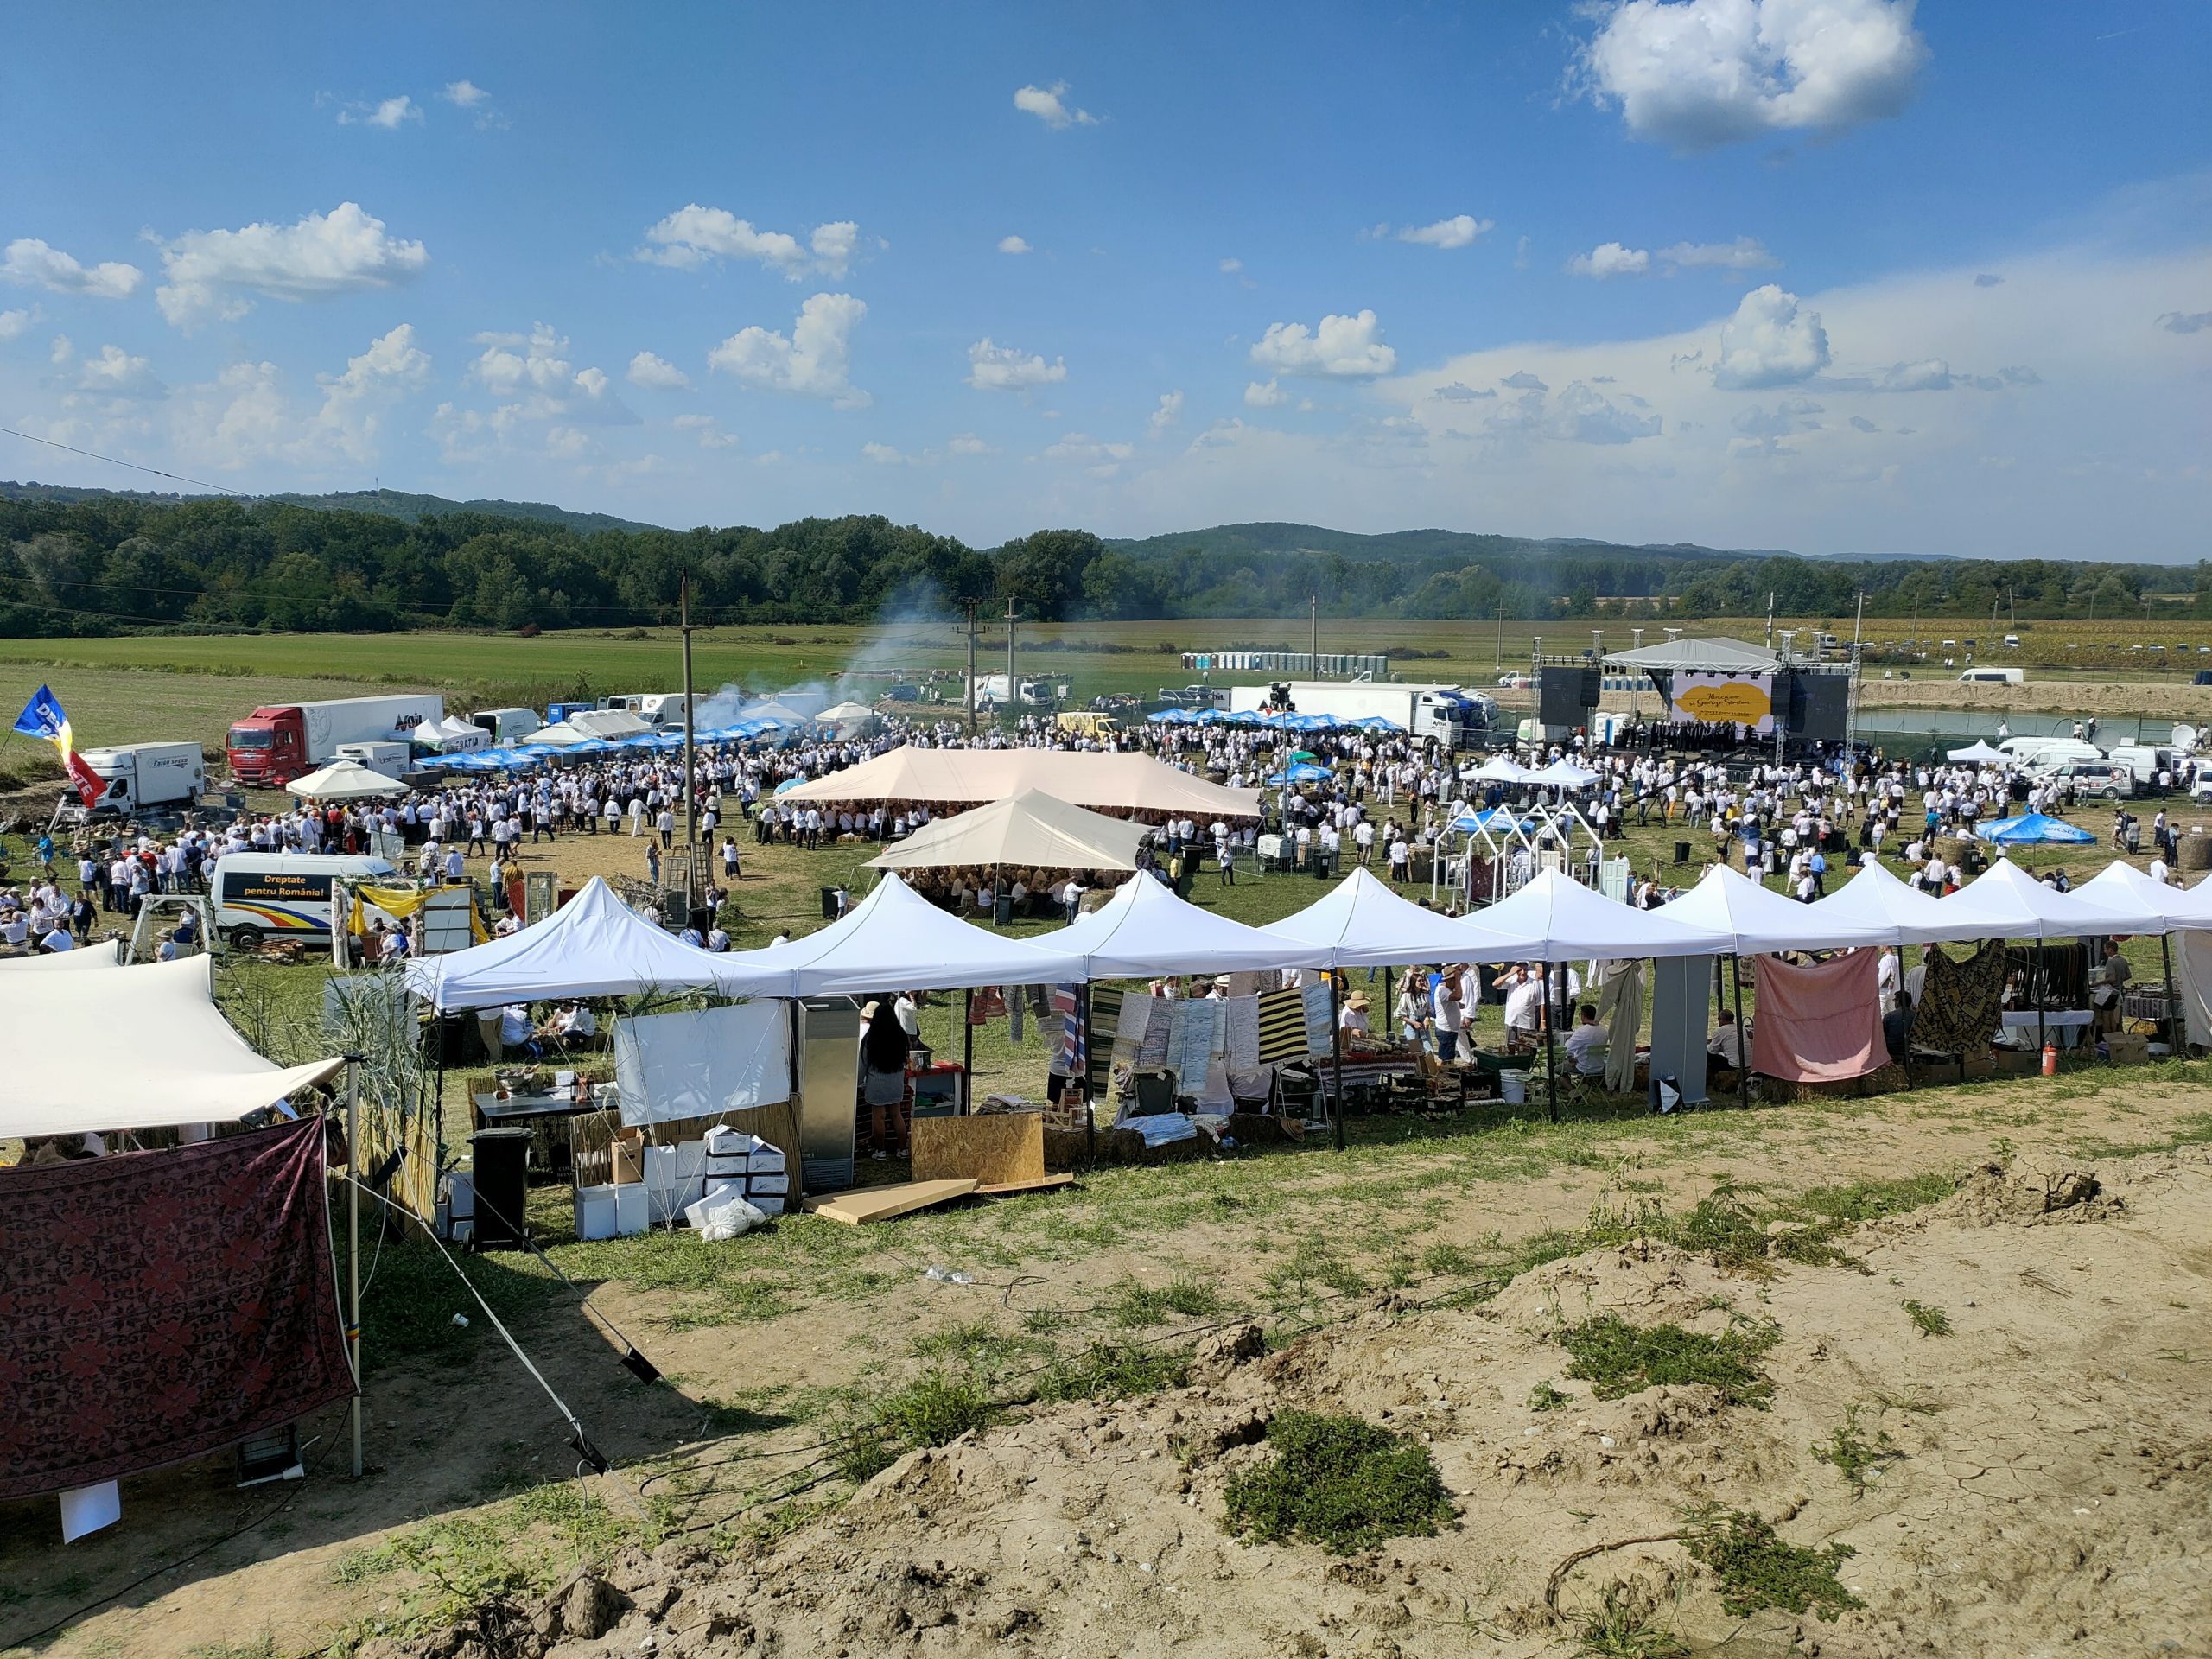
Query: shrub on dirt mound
[{"x": 1339, "y": 1482}]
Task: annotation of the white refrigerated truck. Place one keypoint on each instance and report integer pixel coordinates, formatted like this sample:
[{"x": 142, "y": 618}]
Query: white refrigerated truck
[
  {"x": 147, "y": 777},
  {"x": 1451, "y": 714}
]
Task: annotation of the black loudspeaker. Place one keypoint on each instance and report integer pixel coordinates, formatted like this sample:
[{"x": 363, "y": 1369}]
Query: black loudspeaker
[
  {"x": 1783, "y": 681},
  {"x": 1559, "y": 696},
  {"x": 1818, "y": 705}
]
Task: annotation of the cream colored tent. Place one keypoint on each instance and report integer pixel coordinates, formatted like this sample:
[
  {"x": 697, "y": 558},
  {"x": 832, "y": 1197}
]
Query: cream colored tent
[
  {"x": 1032, "y": 831},
  {"x": 958, "y": 778},
  {"x": 345, "y": 780}
]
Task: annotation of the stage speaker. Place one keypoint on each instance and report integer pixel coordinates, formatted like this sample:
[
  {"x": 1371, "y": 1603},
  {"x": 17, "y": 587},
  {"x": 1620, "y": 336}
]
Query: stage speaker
[
  {"x": 1565, "y": 695},
  {"x": 1819, "y": 706}
]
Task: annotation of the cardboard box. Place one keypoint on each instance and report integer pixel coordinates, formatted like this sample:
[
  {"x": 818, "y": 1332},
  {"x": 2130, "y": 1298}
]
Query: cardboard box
[
  {"x": 1978, "y": 1066},
  {"x": 2127, "y": 1048},
  {"x": 1933, "y": 1074},
  {"x": 768, "y": 1203},
  {"x": 764, "y": 1159},
  {"x": 779, "y": 1183},
  {"x": 2018, "y": 1062},
  {"x": 627, "y": 1158}
]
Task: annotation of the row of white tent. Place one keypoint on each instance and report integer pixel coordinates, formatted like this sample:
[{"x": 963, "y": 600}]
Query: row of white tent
[
  {"x": 595, "y": 946},
  {"x": 1559, "y": 775}
]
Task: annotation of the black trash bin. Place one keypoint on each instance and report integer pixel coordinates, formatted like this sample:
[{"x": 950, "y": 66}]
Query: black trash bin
[
  {"x": 1002, "y": 908},
  {"x": 1681, "y": 852},
  {"x": 500, "y": 1159},
  {"x": 828, "y": 904}
]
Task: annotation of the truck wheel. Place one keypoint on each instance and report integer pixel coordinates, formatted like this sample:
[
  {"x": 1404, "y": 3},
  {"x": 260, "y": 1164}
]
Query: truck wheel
[
  {"x": 245, "y": 938},
  {"x": 2112, "y": 794}
]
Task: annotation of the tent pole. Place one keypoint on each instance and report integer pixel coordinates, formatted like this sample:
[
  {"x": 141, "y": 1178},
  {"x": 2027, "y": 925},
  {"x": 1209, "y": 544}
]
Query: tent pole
[
  {"x": 1551, "y": 1050},
  {"x": 1743, "y": 1048},
  {"x": 353, "y": 1243},
  {"x": 2042, "y": 1037},
  {"x": 1090, "y": 1106},
  {"x": 1336, "y": 1062},
  {"x": 968, "y": 1051},
  {"x": 2166, "y": 966}
]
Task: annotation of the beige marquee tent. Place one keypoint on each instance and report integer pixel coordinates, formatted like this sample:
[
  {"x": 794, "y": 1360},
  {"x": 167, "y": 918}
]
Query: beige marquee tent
[
  {"x": 1033, "y": 830},
  {"x": 1118, "y": 784}
]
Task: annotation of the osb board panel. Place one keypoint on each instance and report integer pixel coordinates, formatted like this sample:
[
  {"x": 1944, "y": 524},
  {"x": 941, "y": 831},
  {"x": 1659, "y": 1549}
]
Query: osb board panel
[
  {"x": 1002, "y": 1188},
  {"x": 885, "y": 1202},
  {"x": 992, "y": 1151}
]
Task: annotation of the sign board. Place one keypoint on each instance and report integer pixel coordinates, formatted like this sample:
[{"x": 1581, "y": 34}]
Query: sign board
[
  {"x": 701, "y": 1063},
  {"x": 540, "y": 896},
  {"x": 1745, "y": 699},
  {"x": 449, "y": 914}
]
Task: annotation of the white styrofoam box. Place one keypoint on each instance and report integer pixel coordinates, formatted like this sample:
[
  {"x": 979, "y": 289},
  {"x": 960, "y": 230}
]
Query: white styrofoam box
[
  {"x": 666, "y": 1204},
  {"x": 776, "y": 1183},
  {"x": 690, "y": 1160},
  {"x": 768, "y": 1203},
  {"x": 660, "y": 1166},
  {"x": 633, "y": 1210},
  {"x": 765, "y": 1160},
  {"x": 596, "y": 1212},
  {"x": 461, "y": 1196},
  {"x": 723, "y": 1141}
]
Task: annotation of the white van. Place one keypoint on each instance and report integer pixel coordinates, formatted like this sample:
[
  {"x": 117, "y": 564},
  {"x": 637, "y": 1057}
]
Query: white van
[
  {"x": 1993, "y": 676},
  {"x": 258, "y": 896},
  {"x": 2143, "y": 761},
  {"x": 2038, "y": 753}
]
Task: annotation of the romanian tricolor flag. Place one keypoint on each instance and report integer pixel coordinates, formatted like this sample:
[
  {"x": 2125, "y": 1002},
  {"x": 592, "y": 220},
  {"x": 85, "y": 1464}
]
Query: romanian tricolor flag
[{"x": 42, "y": 717}]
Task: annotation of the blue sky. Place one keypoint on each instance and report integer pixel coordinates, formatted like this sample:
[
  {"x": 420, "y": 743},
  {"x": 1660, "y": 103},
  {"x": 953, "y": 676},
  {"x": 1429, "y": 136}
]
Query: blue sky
[{"x": 1842, "y": 276}]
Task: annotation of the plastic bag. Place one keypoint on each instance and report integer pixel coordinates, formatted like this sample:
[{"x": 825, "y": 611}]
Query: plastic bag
[{"x": 722, "y": 1214}]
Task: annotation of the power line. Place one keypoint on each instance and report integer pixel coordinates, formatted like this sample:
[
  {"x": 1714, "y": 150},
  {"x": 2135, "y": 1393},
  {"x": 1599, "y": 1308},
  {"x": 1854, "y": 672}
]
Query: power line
[{"x": 220, "y": 489}]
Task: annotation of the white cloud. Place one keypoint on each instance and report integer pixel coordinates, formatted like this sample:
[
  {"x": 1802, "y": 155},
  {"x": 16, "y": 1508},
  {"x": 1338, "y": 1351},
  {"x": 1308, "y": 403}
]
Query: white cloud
[
  {"x": 884, "y": 455},
  {"x": 115, "y": 373},
  {"x": 1745, "y": 253},
  {"x": 511, "y": 364},
  {"x": 814, "y": 360},
  {"x": 1047, "y": 104},
  {"x": 1706, "y": 72},
  {"x": 1169, "y": 412},
  {"x": 1265, "y": 394},
  {"x": 13, "y": 323},
  {"x": 1770, "y": 341},
  {"x": 246, "y": 418},
  {"x": 355, "y": 402},
  {"x": 1007, "y": 368},
  {"x": 389, "y": 115},
  {"x": 208, "y": 274},
  {"x": 2185, "y": 322},
  {"x": 464, "y": 94},
  {"x": 61, "y": 351},
  {"x": 1522, "y": 380},
  {"x": 692, "y": 235},
  {"x": 566, "y": 443},
  {"x": 1231, "y": 267},
  {"x": 31, "y": 262},
  {"x": 967, "y": 443},
  {"x": 1609, "y": 259},
  {"x": 1100, "y": 459},
  {"x": 1343, "y": 348},
  {"x": 657, "y": 373},
  {"x": 711, "y": 436},
  {"x": 1012, "y": 244},
  {"x": 1457, "y": 232},
  {"x": 1988, "y": 279},
  {"x": 592, "y": 382},
  {"x": 1930, "y": 374}
]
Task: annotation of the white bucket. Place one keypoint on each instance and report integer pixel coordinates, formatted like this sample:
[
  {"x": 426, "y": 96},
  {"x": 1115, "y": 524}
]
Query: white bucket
[{"x": 1513, "y": 1087}]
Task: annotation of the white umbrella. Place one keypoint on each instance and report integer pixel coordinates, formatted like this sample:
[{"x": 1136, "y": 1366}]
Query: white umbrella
[{"x": 345, "y": 780}]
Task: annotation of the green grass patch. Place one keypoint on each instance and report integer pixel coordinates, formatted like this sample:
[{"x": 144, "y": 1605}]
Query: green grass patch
[
  {"x": 933, "y": 1409},
  {"x": 1621, "y": 1627},
  {"x": 1855, "y": 1456},
  {"x": 1133, "y": 1305},
  {"x": 1339, "y": 1482},
  {"x": 1617, "y": 1358},
  {"x": 1757, "y": 1570},
  {"x": 1930, "y": 1321},
  {"x": 1545, "y": 1396},
  {"x": 1113, "y": 1370}
]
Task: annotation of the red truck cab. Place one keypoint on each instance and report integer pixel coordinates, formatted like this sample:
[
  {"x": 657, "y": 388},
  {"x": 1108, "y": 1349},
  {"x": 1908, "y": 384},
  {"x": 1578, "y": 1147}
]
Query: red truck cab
[{"x": 269, "y": 749}]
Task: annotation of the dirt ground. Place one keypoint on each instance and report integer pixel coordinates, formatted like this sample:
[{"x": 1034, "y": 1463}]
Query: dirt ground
[{"x": 2049, "y": 1475}]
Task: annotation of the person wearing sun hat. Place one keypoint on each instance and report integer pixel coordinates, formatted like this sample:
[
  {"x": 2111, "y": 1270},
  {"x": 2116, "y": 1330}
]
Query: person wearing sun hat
[{"x": 1352, "y": 1019}]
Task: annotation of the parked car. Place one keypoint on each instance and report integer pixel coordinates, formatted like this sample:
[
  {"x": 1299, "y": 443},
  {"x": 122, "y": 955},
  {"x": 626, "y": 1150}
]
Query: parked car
[{"x": 2102, "y": 779}]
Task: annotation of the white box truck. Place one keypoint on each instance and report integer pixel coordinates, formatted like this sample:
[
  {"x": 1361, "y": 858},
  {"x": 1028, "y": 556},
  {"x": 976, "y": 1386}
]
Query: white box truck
[
  {"x": 146, "y": 776},
  {"x": 507, "y": 725},
  {"x": 275, "y": 744},
  {"x": 1453, "y": 716},
  {"x": 392, "y": 760}
]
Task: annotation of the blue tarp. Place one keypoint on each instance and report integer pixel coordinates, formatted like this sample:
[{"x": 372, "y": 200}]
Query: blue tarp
[
  {"x": 1303, "y": 772},
  {"x": 2034, "y": 828}
]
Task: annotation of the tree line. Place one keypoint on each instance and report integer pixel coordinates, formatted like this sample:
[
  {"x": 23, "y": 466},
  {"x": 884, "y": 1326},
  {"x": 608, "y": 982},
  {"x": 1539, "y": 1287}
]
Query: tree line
[{"x": 119, "y": 564}]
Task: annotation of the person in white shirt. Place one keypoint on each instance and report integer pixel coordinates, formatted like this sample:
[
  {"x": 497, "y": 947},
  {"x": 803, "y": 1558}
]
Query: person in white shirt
[
  {"x": 1352, "y": 1018},
  {"x": 1524, "y": 1005},
  {"x": 1444, "y": 1004},
  {"x": 1586, "y": 1044}
]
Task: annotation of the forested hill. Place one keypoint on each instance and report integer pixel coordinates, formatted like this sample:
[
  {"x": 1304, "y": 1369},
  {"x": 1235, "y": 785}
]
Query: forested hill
[
  {"x": 395, "y": 504},
  {"x": 88, "y": 562}
]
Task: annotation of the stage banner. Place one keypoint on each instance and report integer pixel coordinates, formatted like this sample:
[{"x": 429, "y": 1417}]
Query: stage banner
[
  {"x": 1746, "y": 699},
  {"x": 160, "y": 1306}
]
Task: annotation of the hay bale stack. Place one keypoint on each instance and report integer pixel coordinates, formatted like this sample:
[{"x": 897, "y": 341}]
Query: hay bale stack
[{"x": 2196, "y": 849}]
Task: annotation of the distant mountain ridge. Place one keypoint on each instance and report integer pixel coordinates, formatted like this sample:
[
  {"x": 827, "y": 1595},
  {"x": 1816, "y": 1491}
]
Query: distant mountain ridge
[{"x": 390, "y": 504}]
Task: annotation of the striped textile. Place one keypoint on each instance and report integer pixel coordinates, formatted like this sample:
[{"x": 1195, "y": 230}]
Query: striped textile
[
  {"x": 1282, "y": 1026},
  {"x": 1099, "y": 1040}
]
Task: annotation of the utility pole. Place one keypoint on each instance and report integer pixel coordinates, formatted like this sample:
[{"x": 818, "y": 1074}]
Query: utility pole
[
  {"x": 1636, "y": 680},
  {"x": 970, "y": 630},
  {"x": 1769, "y": 619},
  {"x": 1501, "y": 639},
  {"x": 690, "y": 781},
  {"x": 1313, "y": 610},
  {"x": 1010, "y": 698}
]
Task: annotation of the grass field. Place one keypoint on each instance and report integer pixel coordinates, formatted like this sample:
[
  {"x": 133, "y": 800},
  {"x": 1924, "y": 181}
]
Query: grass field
[{"x": 167, "y": 687}]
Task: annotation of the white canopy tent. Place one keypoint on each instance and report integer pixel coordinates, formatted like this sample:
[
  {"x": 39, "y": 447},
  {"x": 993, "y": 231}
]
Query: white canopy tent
[
  {"x": 2120, "y": 886},
  {"x": 1361, "y": 923},
  {"x": 182, "y": 1064},
  {"x": 345, "y": 780},
  {"x": 1980, "y": 753},
  {"x": 1876, "y": 899},
  {"x": 2006, "y": 902},
  {"x": 1503, "y": 769},
  {"x": 1031, "y": 830},
  {"x": 1563, "y": 774},
  {"x": 1758, "y": 921},
  {"x": 895, "y": 939},
  {"x": 1144, "y": 929},
  {"x": 1104, "y": 782},
  {"x": 838, "y": 714},
  {"x": 594, "y": 945},
  {"x": 1554, "y": 919},
  {"x": 90, "y": 956}
]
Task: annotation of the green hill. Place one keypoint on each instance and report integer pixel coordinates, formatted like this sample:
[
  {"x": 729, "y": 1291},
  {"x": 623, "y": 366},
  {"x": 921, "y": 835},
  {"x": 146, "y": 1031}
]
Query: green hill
[{"x": 390, "y": 504}]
